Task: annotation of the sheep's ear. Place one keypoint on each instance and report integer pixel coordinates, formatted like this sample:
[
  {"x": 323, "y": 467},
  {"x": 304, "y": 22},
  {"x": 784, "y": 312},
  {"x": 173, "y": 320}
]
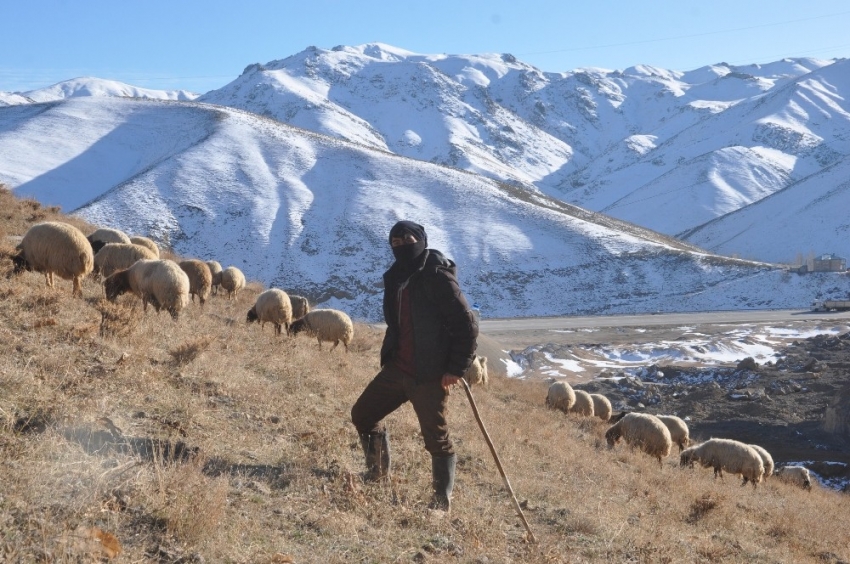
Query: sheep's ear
[{"x": 482, "y": 360}]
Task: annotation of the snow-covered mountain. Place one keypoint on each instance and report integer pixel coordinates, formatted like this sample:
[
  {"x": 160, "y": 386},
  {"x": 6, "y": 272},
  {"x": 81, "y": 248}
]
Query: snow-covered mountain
[
  {"x": 89, "y": 86},
  {"x": 310, "y": 213}
]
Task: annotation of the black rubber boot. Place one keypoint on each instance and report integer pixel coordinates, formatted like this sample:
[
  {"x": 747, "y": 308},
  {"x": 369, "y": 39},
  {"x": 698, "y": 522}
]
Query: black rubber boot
[
  {"x": 376, "y": 448},
  {"x": 443, "y": 472}
]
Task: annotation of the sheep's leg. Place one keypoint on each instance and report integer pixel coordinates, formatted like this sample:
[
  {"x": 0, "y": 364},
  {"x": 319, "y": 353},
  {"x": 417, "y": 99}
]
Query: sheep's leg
[
  {"x": 335, "y": 344},
  {"x": 78, "y": 287},
  {"x": 320, "y": 342},
  {"x": 277, "y": 328}
]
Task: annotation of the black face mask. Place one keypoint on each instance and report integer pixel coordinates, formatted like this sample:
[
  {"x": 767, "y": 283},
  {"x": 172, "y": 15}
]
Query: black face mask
[{"x": 405, "y": 254}]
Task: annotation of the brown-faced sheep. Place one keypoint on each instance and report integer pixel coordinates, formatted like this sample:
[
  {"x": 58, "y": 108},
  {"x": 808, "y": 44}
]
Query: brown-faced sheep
[
  {"x": 477, "y": 372},
  {"x": 726, "y": 454},
  {"x": 326, "y": 325},
  {"x": 766, "y": 459},
  {"x": 300, "y": 306},
  {"x": 272, "y": 306},
  {"x": 200, "y": 278},
  {"x": 232, "y": 280},
  {"x": 583, "y": 404},
  {"x": 560, "y": 396},
  {"x": 55, "y": 248},
  {"x": 643, "y": 431},
  {"x": 601, "y": 406},
  {"x": 106, "y": 235},
  {"x": 679, "y": 431},
  {"x": 215, "y": 270},
  {"x": 160, "y": 282},
  {"x": 145, "y": 242},
  {"x": 797, "y": 475},
  {"x": 113, "y": 257}
]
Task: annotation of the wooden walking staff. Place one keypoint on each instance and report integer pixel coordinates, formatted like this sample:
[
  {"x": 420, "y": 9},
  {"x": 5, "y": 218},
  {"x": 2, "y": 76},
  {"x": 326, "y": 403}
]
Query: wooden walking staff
[{"x": 496, "y": 458}]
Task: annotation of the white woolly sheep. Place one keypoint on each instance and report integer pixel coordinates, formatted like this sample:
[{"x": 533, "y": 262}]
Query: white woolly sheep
[
  {"x": 797, "y": 475},
  {"x": 678, "y": 430},
  {"x": 55, "y": 248},
  {"x": 300, "y": 306},
  {"x": 113, "y": 257},
  {"x": 272, "y": 306},
  {"x": 160, "y": 282},
  {"x": 583, "y": 404},
  {"x": 106, "y": 235},
  {"x": 477, "y": 372},
  {"x": 643, "y": 431},
  {"x": 766, "y": 459},
  {"x": 601, "y": 406},
  {"x": 561, "y": 396},
  {"x": 326, "y": 325},
  {"x": 215, "y": 270},
  {"x": 200, "y": 278},
  {"x": 145, "y": 242},
  {"x": 726, "y": 454},
  {"x": 232, "y": 280}
]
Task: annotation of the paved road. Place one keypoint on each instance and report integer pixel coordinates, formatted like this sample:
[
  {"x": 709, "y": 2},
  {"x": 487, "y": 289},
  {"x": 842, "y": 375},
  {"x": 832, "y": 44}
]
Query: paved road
[{"x": 695, "y": 318}]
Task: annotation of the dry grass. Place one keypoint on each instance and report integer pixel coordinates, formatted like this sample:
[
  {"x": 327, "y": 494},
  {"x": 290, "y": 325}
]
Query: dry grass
[{"x": 208, "y": 439}]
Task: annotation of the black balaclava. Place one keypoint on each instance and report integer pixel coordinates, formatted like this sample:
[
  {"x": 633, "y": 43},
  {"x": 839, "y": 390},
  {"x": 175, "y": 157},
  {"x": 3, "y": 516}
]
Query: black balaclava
[{"x": 406, "y": 254}]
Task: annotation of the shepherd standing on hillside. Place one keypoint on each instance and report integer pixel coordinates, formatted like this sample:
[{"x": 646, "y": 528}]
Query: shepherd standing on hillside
[{"x": 429, "y": 343}]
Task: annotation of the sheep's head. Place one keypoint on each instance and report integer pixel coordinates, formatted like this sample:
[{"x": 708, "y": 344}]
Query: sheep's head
[
  {"x": 96, "y": 245},
  {"x": 615, "y": 418},
  {"x": 613, "y": 435},
  {"x": 297, "y": 326},
  {"x": 686, "y": 458},
  {"x": 117, "y": 284},
  {"x": 20, "y": 263},
  {"x": 252, "y": 315}
]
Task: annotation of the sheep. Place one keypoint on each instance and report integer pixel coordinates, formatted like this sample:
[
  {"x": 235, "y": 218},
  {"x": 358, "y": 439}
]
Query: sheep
[
  {"x": 113, "y": 257},
  {"x": 215, "y": 270},
  {"x": 678, "y": 430},
  {"x": 583, "y": 404},
  {"x": 106, "y": 235},
  {"x": 726, "y": 454},
  {"x": 601, "y": 406},
  {"x": 145, "y": 242},
  {"x": 326, "y": 325},
  {"x": 766, "y": 459},
  {"x": 160, "y": 282},
  {"x": 273, "y": 306},
  {"x": 560, "y": 396},
  {"x": 200, "y": 278},
  {"x": 300, "y": 306},
  {"x": 57, "y": 248},
  {"x": 798, "y": 475},
  {"x": 232, "y": 280},
  {"x": 644, "y": 431},
  {"x": 477, "y": 371}
]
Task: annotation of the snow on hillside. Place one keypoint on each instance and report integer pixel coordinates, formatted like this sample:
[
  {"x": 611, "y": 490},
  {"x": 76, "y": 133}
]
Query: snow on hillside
[
  {"x": 310, "y": 214},
  {"x": 89, "y": 86}
]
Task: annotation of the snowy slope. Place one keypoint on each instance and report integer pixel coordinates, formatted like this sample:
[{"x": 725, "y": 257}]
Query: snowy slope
[
  {"x": 310, "y": 213},
  {"x": 90, "y": 86}
]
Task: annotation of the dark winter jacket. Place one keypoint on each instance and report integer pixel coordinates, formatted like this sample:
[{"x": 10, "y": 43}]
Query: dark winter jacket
[{"x": 444, "y": 329}]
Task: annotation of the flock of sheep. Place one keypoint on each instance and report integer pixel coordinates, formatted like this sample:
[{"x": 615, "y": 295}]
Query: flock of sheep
[
  {"x": 133, "y": 265},
  {"x": 656, "y": 434}
]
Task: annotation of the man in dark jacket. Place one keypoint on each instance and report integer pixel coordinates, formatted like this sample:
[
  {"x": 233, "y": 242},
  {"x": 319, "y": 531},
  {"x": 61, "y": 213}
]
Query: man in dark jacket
[{"x": 429, "y": 343}]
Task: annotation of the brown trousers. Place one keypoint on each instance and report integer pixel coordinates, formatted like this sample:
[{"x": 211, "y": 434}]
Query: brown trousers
[{"x": 391, "y": 388}]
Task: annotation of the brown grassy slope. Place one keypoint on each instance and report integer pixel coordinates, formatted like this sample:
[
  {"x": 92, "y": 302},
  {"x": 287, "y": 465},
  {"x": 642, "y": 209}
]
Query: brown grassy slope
[{"x": 211, "y": 439}]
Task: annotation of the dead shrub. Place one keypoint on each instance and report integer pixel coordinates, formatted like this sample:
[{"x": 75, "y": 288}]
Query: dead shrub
[
  {"x": 190, "y": 350},
  {"x": 702, "y": 506},
  {"x": 117, "y": 319}
]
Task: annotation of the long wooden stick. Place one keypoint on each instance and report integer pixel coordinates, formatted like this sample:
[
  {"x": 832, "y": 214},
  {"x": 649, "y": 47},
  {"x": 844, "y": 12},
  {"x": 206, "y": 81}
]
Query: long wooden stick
[{"x": 498, "y": 462}]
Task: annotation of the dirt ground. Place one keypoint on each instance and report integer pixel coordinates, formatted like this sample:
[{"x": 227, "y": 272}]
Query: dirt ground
[{"x": 797, "y": 407}]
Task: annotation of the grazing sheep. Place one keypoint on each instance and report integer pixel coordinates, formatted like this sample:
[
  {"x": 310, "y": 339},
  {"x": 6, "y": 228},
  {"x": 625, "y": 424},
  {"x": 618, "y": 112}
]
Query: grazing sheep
[
  {"x": 766, "y": 459},
  {"x": 55, "y": 248},
  {"x": 160, "y": 282},
  {"x": 300, "y": 306},
  {"x": 643, "y": 431},
  {"x": 326, "y": 325},
  {"x": 106, "y": 235},
  {"x": 273, "y": 306},
  {"x": 561, "y": 396},
  {"x": 215, "y": 270},
  {"x": 797, "y": 475},
  {"x": 113, "y": 257},
  {"x": 678, "y": 430},
  {"x": 232, "y": 280},
  {"x": 601, "y": 406},
  {"x": 726, "y": 454},
  {"x": 583, "y": 404},
  {"x": 145, "y": 242},
  {"x": 200, "y": 278},
  {"x": 477, "y": 371}
]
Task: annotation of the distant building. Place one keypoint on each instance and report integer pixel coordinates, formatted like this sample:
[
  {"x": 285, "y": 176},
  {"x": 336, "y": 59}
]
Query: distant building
[{"x": 827, "y": 263}]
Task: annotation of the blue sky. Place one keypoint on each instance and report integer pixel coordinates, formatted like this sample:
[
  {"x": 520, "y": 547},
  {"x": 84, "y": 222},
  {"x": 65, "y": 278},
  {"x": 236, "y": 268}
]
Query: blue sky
[{"x": 201, "y": 46}]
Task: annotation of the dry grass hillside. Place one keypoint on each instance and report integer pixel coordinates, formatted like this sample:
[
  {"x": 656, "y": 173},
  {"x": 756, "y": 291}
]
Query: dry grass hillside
[{"x": 129, "y": 437}]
